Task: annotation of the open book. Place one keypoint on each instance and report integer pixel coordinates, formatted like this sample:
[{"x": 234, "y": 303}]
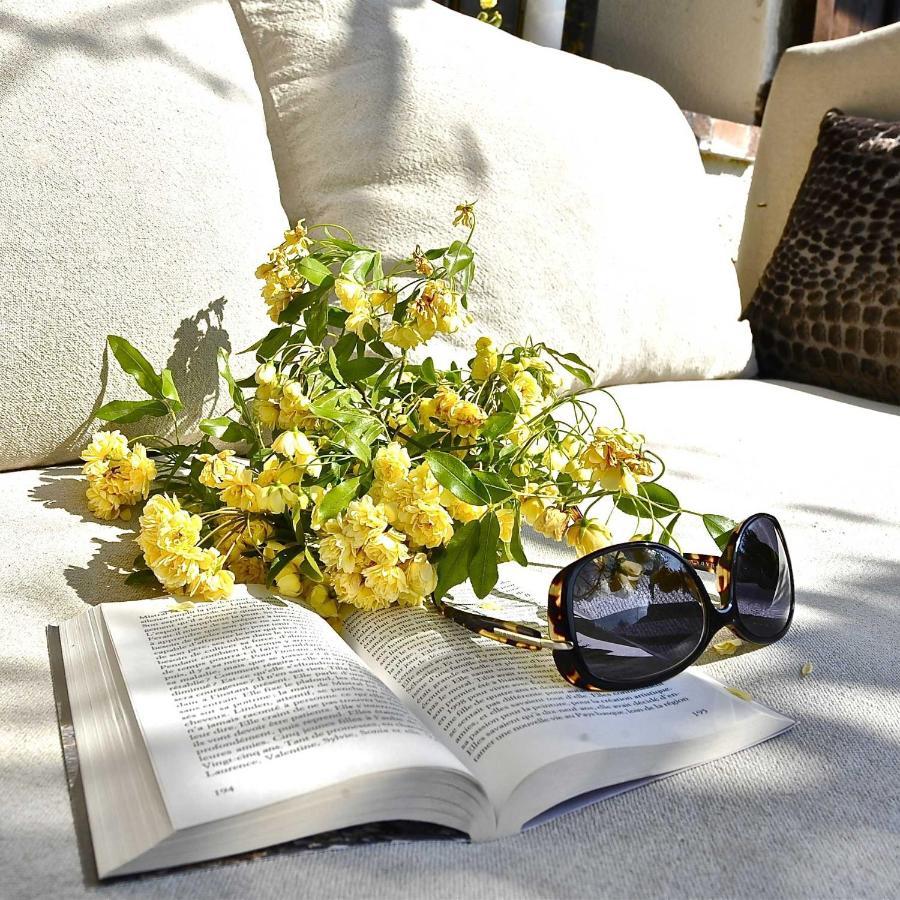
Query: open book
[{"x": 250, "y": 722}]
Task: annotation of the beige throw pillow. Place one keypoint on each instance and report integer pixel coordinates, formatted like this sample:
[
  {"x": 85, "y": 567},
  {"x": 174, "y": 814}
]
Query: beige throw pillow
[
  {"x": 138, "y": 195},
  {"x": 593, "y": 233}
]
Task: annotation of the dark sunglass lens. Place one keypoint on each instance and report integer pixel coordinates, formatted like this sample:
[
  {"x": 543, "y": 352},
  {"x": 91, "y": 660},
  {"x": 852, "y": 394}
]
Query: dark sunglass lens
[
  {"x": 636, "y": 613},
  {"x": 761, "y": 580}
]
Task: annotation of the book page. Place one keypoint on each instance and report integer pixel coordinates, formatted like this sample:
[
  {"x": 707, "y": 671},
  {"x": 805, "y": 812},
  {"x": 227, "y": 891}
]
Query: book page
[
  {"x": 508, "y": 712},
  {"x": 243, "y": 703}
]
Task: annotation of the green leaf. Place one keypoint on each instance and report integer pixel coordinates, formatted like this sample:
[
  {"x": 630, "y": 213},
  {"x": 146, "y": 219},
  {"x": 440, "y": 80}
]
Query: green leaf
[
  {"x": 457, "y": 477},
  {"x": 457, "y": 257},
  {"x": 226, "y": 430},
  {"x": 498, "y": 424},
  {"x": 483, "y": 570},
  {"x": 666, "y": 535},
  {"x": 237, "y": 395},
  {"x": 316, "y": 319},
  {"x": 719, "y": 528},
  {"x": 360, "y": 368},
  {"x": 428, "y": 371},
  {"x": 652, "y": 500},
  {"x": 336, "y": 500},
  {"x": 452, "y": 562},
  {"x": 496, "y": 488},
  {"x": 281, "y": 560},
  {"x": 134, "y": 364},
  {"x": 333, "y": 366},
  {"x": 273, "y": 342},
  {"x": 310, "y": 567},
  {"x": 312, "y": 270},
  {"x": 516, "y": 550},
  {"x": 360, "y": 265},
  {"x": 131, "y": 410},
  {"x": 169, "y": 391},
  {"x": 344, "y": 348}
]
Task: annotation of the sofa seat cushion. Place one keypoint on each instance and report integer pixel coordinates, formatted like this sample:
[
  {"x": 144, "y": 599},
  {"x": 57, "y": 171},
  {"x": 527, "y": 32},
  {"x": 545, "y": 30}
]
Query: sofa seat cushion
[{"x": 812, "y": 809}]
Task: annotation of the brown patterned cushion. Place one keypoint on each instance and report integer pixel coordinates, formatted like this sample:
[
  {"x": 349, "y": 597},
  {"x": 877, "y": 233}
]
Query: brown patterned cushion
[{"x": 827, "y": 309}]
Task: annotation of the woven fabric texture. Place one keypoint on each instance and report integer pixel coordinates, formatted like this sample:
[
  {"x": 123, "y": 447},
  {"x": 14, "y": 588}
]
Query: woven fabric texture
[
  {"x": 138, "y": 196},
  {"x": 827, "y": 309},
  {"x": 814, "y": 813}
]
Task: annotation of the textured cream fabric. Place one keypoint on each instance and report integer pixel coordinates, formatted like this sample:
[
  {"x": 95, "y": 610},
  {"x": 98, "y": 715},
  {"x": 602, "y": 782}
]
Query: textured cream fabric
[
  {"x": 594, "y": 229},
  {"x": 137, "y": 197},
  {"x": 859, "y": 75},
  {"x": 814, "y": 813}
]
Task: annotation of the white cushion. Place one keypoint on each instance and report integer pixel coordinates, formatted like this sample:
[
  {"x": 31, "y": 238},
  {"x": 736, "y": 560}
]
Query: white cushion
[
  {"x": 815, "y": 810},
  {"x": 594, "y": 233},
  {"x": 137, "y": 189}
]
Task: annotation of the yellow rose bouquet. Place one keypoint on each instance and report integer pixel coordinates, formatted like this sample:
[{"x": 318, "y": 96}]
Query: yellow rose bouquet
[{"x": 354, "y": 477}]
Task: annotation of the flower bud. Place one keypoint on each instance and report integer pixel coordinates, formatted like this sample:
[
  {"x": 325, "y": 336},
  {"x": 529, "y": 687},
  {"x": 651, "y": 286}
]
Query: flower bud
[
  {"x": 266, "y": 374},
  {"x": 421, "y": 577}
]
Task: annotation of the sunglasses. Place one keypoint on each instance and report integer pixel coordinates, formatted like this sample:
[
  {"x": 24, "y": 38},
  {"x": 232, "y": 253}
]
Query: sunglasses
[{"x": 635, "y": 614}]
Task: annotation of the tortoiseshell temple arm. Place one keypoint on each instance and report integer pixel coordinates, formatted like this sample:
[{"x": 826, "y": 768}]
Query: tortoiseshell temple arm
[{"x": 513, "y": 634}]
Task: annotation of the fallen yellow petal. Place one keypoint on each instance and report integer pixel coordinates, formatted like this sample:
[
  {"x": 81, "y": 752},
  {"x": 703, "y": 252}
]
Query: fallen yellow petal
[
  {"x": 181, "y": 607},
  {"x": 740, "y": 694},
  {"x": 727, "y": 648},
  {"x": 806, "y": 669}
]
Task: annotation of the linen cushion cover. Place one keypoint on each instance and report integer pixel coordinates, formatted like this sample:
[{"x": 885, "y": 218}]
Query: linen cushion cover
[
  {"x": 827, "y": 309},
  {"x": 829, "y": 779},
  {"x": 593, "y": 235},
  {"x": 138, "y": 196}
]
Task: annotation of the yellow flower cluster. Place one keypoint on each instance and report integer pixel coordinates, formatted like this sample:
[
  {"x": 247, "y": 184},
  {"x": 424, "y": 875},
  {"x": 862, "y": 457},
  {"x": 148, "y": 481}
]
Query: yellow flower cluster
[
  {"x": 169, "y": 539},
  {"x": 280, "y": 402},
  {"x": 118, "y": 476},
  {"x": 412, "y": 503},
  {"x": 273, "y": 490},
  {"x": 281, "y": 279},
  {"x": 461, "y": 417},
  {"x": 364, "y": 306},
  {"x": 369, "y": 563},
  {"x": 436, "y": 310},
  {"x": 615, "y": 458}
]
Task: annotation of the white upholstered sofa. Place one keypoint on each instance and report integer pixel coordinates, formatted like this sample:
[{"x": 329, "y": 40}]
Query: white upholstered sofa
[{"x": 139, "y": 188}]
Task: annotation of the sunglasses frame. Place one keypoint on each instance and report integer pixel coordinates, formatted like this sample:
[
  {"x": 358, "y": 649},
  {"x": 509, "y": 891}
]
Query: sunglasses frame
[{"x": 562, "y": 640}]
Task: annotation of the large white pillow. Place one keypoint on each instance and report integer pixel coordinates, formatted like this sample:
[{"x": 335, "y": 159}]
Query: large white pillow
[
  {"x": 137, "y": 190},
  {"x": 593, "y": 234}
]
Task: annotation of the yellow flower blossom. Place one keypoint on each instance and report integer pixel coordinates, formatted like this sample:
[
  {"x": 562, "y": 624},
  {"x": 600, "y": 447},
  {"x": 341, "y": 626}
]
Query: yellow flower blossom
[
  {"x": 421, "y": 577},
  {"x": 459, "y": 509},
  {"x": 525, "y": 385},
  {"x": 403, "y": 336},
  {"x": 238, "y": 489},
  {"x": 615, "y": 458},
  {"x": 360, "y": 317},
  {"x": 465, "y": 212},
  {"x": 387, "y": 583},
  {"x": 386, "y": 549},
  {"x": 507, "y": 519},
  {"x": 587, "y": 536},
  {"x": 485, "y": 363},
  {"x": 552, "y": 523},
  {"x": 350, "y": 294},
  {"x": 391, "y": 463},
  {"x": 218, "y": 468},
  {"x": 118, "y": 477},
  {"x": 247, "y": 569},
  {"x": 297, "y": 447}
]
